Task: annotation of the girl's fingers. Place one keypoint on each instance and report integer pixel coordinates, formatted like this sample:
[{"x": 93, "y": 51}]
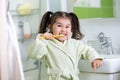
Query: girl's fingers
[
  {"x": 96, "y": 64},
  {"x": 47, "y": 35}
]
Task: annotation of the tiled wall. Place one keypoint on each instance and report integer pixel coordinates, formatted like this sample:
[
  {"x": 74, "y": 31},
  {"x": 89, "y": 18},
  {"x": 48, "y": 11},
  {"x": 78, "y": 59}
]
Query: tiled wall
[
  {"x": 109, "y": 26},
  {"x": 105, "y": 11}
]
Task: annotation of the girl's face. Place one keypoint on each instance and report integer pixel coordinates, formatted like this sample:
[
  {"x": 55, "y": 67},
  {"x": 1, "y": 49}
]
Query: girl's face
[{"x": 62, "y": 26}]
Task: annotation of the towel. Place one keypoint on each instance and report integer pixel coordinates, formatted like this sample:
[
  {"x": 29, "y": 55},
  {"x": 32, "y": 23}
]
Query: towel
[
  {"x": 24, "y": 9},
  {"x": 10, "y": 59}
]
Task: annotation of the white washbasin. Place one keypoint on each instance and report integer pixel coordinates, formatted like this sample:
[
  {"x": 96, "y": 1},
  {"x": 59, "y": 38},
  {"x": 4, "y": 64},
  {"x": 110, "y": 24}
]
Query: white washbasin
[
  {"x": 110, "y": 56},
  {"x": 111, "y": 64}
]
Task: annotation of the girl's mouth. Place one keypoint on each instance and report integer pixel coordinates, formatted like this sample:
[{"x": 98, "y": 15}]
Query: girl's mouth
[{"x": 57, "y": 36}]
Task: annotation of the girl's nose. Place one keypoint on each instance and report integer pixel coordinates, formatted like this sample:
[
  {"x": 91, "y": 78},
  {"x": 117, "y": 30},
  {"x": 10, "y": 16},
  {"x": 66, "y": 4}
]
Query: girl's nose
[{"x": 63, "y": 29}]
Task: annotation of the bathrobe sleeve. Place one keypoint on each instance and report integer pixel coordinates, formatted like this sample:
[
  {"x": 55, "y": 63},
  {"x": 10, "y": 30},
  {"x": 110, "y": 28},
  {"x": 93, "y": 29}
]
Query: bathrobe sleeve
[
  {"x": 37, "y": 49},
  {"x": 87, "y": 52}
]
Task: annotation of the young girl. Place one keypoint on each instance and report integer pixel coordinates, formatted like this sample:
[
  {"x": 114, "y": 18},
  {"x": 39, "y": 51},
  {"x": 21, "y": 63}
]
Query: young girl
[{"x": 58, "y": 42}]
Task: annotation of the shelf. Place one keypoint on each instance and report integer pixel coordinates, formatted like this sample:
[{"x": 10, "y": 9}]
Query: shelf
[
  {"x": 21, "y": 37},
  {"x": 33, "y": 12}
]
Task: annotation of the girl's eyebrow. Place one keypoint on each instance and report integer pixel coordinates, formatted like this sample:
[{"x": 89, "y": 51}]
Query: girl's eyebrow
[
  {"x": 61, "y": 23},
  {"x": 58, "y": 23}
]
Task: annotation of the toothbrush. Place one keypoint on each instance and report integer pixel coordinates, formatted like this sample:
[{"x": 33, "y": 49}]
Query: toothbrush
[{"x": 54, "y": 36}]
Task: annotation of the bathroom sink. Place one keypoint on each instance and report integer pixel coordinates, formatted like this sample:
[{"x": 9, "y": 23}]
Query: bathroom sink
[
  {"x": 111, "y": 64},
  {"x": 110, "y": 56}
]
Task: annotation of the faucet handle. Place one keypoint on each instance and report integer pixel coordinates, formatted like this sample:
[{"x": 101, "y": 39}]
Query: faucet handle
[{"x": 101, "y": 36}]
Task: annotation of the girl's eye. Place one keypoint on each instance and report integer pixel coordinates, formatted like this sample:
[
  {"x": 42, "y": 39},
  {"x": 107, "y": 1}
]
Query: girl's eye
[
  {"x": 59, "y": 25},
  {"x": 67, "y": 26}
]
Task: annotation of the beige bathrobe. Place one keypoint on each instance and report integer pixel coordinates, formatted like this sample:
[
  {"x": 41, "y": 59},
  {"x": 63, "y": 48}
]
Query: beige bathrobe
[{"x": 62, "y": 59}]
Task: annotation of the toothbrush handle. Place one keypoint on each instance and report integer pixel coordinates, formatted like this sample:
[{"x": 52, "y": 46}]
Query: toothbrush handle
[{"x": 54, "y": 36}]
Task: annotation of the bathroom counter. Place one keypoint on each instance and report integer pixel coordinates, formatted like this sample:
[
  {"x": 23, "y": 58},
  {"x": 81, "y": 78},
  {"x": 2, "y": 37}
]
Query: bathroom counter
[{"x": 110, "y": 70}]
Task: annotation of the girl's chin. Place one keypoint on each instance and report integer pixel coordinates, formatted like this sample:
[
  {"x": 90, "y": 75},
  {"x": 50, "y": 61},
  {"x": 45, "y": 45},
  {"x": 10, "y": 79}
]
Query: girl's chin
[{"x": 62, "y": 40}]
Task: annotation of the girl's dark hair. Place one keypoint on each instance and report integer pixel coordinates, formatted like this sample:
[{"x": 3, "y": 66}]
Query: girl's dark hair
[{"x": 50, "y": 18}]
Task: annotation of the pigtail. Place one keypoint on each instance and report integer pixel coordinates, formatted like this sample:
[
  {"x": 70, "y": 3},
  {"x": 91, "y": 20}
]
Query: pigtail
[
  {"x": 76, "y": 27},
  {"x": 45, "y": 22}
]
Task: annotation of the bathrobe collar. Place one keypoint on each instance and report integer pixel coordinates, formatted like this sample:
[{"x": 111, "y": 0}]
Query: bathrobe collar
[{"x": 61, "y": 46}]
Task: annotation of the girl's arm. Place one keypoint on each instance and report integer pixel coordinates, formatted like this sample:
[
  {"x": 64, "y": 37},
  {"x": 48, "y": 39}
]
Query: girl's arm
[
  {"x": 38, "y": 48},
  {"x": 90, "y": 54}
]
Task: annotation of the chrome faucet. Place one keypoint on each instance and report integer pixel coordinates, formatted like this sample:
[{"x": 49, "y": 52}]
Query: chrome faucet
[{"x": 105, "y": 43}]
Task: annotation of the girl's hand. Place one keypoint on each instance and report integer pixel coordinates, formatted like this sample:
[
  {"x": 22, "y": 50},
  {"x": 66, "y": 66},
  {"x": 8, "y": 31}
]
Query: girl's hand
[
  {"x": 96, "y": 63},
  {"x": 47, "y": 36}
]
